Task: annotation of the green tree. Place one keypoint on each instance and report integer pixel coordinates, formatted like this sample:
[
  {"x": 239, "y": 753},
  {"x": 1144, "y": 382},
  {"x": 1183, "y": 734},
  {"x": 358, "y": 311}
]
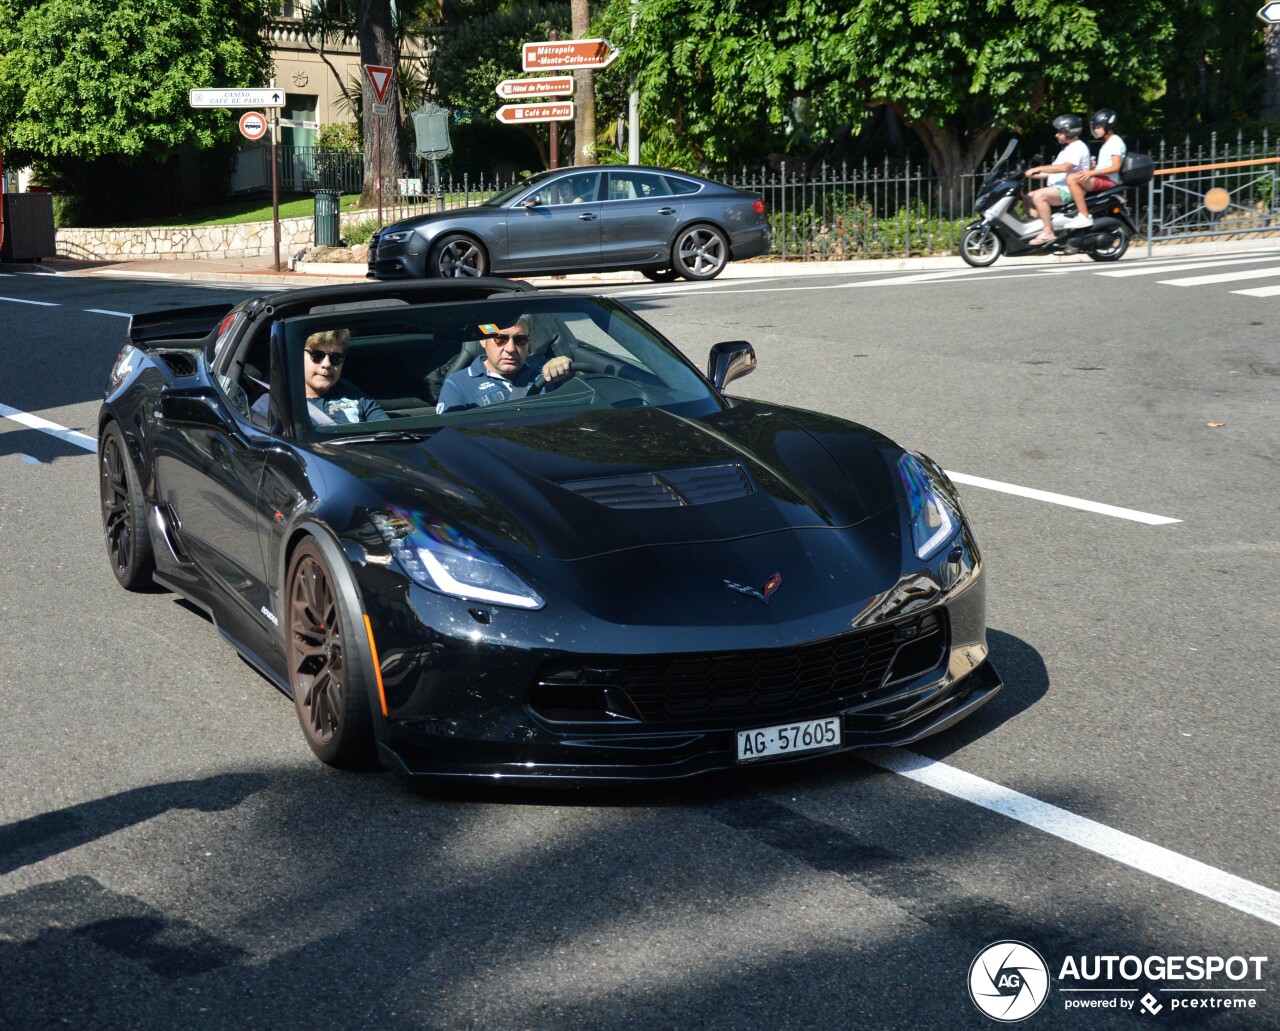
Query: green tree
[
  {"x": 85, "y": 79},
  {"x": 725, "y": 78}
]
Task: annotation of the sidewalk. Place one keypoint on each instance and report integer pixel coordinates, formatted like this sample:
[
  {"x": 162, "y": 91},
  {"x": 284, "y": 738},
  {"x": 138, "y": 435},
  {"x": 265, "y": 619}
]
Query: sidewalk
[{"x": 260, "y": 270}]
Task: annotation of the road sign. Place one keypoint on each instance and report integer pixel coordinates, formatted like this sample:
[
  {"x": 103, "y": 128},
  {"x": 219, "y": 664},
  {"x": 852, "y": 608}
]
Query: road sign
[
  {"x": 567, "y": 53},
  {"x": 299, "y": 123},
  {"x": 253, "y": 126},
  {"x": 513, "y": 89},
  {"x": 381, "y": 109},
  {"x": 1270, "y": 13},
  {"x": 381, "y": 79},
  {"x": 558, "y": 112},
  {"x": 236, "y": 97}
]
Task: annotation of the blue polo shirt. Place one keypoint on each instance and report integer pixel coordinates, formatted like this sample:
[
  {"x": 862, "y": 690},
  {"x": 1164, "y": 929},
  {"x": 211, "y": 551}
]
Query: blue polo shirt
[{"x": 475, "y": 386}]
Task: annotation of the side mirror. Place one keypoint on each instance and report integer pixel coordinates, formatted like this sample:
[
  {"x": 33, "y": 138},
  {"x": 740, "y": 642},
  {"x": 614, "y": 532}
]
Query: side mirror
[
  {"x": 730, "y": 360},
  {"x": 192, "y": 411},
  {"x": 529, "y": 203}
]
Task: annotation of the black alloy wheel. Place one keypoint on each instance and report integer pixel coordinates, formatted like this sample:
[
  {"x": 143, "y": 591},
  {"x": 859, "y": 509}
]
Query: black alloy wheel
[
  {"x": 1117, "y": 242},
  {"x": 325, "y": 654},
  {"x": 124, "y": 521},
  {"x": 980, "y": 249},
  {"x": 700, "y": 252},
  {"x": 456, "y": 256}
]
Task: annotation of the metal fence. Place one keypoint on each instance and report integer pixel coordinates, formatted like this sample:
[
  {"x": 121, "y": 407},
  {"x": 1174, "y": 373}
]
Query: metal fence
[{"x": 884, "y": 209}]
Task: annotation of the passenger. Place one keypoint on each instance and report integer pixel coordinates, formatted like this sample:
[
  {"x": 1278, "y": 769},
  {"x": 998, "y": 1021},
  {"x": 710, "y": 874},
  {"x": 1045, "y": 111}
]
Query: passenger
[
  {"x": 1073, "y": 157},
  {"x": 504, "y": 370},
  {"x": 328, "y": 403},
  {"x": 1106, "y": 170}
]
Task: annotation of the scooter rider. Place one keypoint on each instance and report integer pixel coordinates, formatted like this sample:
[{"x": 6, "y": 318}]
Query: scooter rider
[
  {"x": 1073, "y": 157},
  {"x": 1105, "y": 173}
]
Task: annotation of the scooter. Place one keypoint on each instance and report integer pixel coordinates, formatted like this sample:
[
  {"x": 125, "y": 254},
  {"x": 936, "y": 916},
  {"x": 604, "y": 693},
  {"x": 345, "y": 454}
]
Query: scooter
[{"x": 999, "y": 231}]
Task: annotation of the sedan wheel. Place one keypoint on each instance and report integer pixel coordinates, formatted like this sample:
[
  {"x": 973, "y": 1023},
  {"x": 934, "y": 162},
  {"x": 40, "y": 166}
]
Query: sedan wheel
[
  {"x": 700, "y": 252},
  {"x": 457, "y": 256},
  {"x": 123, "y": 512},
  {"x": 325, "y": 656},
  {"x": 661, "y": 275}
]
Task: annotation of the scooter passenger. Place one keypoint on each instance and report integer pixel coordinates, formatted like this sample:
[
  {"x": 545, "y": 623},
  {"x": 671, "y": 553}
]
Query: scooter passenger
[
  {"x": 1073, "y": 157},
  {"x": 1105, "y": 172}
]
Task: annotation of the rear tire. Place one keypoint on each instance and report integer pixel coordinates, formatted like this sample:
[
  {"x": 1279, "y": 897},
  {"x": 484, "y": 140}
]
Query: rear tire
[
  {"x": 978, "y": 250},
  {"x": 1119, "y": 233},
  {"x": 124, "y": 520},
  {"x": 700, "y": 252},
  {"x": 457, "y": 256},
  {"x": 661, "y": 275},
  {"x": 326, "y": 652}
]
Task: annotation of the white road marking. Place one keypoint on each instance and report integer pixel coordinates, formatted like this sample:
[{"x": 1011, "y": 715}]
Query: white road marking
[
  {"x": 1155, "y": 270},
  {"x": 45, "y": 426},
  {"x": 107, "y": 311},
  {"x": 981, "y": 275},
  {"x": 131, "y": 275},
  {"x": 1063, "y": 499},
  {"x": 1259, "y": 291},
  {"x": 23, "y": 300},
  {"x": 1223, "y": 277},
  {"x": 1155, "y": 860}
]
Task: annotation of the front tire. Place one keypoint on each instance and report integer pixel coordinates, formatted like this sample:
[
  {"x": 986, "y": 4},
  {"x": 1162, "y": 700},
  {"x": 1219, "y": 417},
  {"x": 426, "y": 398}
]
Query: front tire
[
  {"x": 326, "y": 669},
  {"x": 124, "y": 521},
  {"x": 700, "y": 252},
  {"x": 1117, "y": 244},
  {"x": 457, "y": 256},
  {"x": 978, "y": 250}
]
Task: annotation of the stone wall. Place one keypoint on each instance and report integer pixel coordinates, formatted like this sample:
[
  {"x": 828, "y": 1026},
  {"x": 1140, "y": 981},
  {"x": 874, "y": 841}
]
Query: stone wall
[{"x": 246, "y": 240}]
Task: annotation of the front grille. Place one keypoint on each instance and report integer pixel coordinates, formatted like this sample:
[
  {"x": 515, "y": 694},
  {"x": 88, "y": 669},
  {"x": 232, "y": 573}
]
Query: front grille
[
  {"x": 822, "y": 676},
  {"x": 669, "y": 488}
]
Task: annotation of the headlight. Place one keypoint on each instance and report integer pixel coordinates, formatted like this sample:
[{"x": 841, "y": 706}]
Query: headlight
[
  {"x": 439, "y": 557},
  {"x": 396, "y": 237},
  {"x": 933, "y": 515}
]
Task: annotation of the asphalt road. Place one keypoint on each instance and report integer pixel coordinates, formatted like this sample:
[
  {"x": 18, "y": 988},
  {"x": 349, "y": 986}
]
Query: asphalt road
[{"x": 171, "y": 855}]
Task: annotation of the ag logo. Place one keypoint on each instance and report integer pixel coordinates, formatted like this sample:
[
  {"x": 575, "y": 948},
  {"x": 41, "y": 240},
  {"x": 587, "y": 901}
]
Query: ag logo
[{"x": 1008, "y": 981}]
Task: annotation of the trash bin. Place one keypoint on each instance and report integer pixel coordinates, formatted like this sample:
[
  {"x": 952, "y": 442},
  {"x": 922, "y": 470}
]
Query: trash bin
[
  {"x": 328, "y": 227},
  {"x": 28, "y": 227}
]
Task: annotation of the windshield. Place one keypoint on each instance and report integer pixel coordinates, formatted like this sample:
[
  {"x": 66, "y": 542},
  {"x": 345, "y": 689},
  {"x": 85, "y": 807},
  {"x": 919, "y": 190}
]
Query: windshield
[
  {"x": 511, "y": 192},
  {"x": 415, "y": 369}
]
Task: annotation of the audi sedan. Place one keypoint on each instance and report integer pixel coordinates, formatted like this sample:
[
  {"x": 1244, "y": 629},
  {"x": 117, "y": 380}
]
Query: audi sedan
[{"x": 661, "y": 223}]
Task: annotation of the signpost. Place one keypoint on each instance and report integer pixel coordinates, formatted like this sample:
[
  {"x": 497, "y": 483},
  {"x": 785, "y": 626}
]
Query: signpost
[
  {"x": 511, "y": 114},
  {"x": 380, "y": 76},
  {"x": 558, "y": 55},
  {"x": 253, "y": 126},
  {"x": 513, "y": 89},
  {"x": 1270, "y": 13},
  {"x": 431, "y": 128},
  {"x": 235, "y": 97}
]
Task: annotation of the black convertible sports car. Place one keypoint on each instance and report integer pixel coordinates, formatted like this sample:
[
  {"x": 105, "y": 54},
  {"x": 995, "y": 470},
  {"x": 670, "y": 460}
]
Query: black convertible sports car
[{"x": 627, "y": 575}]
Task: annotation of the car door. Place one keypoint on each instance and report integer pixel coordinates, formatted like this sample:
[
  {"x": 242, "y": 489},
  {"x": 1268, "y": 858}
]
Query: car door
[
  {"x": 638, "y": 218},
  {"x": 557, "y": 226},
  {"x": 209, "y": 461}
]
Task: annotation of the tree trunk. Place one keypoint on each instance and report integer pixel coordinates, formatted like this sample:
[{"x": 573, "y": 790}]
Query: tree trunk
[
  {"x": 955, "y": 156},
  {"x": 378, "y": 46},
  {"x": 584, "y": 91}
]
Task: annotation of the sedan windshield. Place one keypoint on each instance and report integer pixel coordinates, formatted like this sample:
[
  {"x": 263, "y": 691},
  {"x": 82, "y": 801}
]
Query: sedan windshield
[
  {"x": 506, "y": 196},
  {"x": 396, "y": 372}
]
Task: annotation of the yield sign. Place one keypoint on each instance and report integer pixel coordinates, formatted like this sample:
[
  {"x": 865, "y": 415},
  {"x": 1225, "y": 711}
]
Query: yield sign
[
  {"x": 1270, "y": 13},
  {"x": 380, "y": 77}
]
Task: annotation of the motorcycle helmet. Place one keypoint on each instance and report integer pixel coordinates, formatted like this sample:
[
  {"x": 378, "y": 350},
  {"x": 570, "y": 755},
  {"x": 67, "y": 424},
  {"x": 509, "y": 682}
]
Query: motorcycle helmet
[
  {"x": 1103, "y": 118},
  {"x": 1068, "y": 125}
]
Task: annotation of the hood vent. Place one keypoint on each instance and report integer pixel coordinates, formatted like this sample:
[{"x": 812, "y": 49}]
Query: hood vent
[{"x": 671, "y": 488}]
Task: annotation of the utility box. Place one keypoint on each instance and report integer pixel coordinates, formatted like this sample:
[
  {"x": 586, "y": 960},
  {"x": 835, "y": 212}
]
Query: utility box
[
  {"x": 328, "y": 225},
  {"x": 28, "y": 227}
]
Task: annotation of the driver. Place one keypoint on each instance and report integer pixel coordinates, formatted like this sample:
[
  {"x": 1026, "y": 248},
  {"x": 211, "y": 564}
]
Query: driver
[
  {"x": 504, "y": 370},
  {"x": 1073, "y": 157}
]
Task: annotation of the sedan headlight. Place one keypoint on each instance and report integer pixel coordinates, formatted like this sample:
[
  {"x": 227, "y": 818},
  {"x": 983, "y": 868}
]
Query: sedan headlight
[
  {"x": 934, "y": 516},
  {"x": 396, "y": 237},
  {"x": 439, "y": 557}
]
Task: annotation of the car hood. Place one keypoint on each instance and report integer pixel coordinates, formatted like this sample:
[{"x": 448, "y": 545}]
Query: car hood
[
  {"x": 453, "y": 215},
  {"x": 559, "y": 489}
]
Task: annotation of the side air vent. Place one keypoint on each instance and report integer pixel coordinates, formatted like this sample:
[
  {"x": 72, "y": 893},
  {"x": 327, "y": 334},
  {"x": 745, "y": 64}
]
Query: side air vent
[
  {"x": 182, "y": 363},
  {"x": 669, "y": 488}
]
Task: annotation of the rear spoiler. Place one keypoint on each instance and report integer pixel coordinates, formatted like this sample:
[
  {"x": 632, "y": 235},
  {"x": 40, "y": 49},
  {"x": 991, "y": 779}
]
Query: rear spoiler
[{"x": 177, "y": 323}]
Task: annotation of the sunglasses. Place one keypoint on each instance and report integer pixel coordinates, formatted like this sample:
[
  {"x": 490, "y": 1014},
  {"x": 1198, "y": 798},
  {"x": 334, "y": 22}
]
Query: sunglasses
[
  {"x": 519, "y": 339},
  {"x": 318, "y": 356}
]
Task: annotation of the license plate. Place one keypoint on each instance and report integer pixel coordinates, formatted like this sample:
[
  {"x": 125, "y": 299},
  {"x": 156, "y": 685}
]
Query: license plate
[{"x": 788, "y": 738}]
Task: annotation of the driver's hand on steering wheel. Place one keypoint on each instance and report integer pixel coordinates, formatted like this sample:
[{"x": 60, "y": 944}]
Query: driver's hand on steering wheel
[{"x": 557, "y": 369}]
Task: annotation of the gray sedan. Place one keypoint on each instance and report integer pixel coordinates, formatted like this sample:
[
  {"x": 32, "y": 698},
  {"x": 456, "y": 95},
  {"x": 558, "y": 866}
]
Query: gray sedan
[{"x": 582, "y": 219}]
